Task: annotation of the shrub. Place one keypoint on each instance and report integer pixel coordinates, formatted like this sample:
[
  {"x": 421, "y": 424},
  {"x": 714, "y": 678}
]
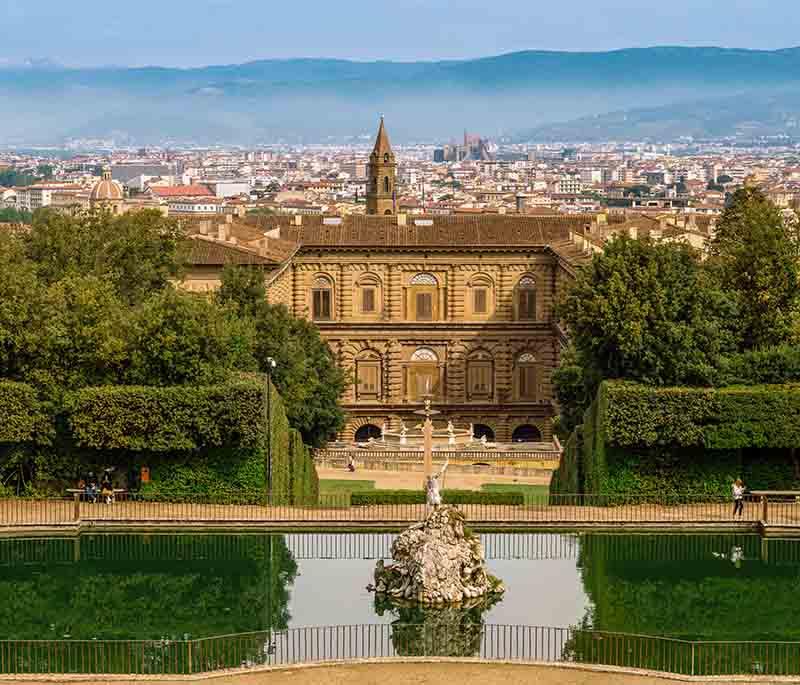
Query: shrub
[
  {"x": 683, "y": 442},
  {"x": 448, "y": 497},
  {"x": 23, "y": 417},
  {"x": 181, "y": 418}
]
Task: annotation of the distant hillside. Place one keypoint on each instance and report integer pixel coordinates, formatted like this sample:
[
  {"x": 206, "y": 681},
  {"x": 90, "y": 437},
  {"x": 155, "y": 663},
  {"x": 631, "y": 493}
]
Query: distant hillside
[
  {"x": 742, "y": 116},
  {"x": 314, "y": 99}
]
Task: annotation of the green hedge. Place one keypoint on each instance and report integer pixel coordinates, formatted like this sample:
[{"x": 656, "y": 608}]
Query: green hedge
[
  {"x": 690, "y": 442},
  {"x": 23, "y": 417},
  {"x": 368, "y": 497},
  {"x": 568, "y": 477},
  {"x": 220, "y": 475},
  {"x": 178, "y": 418},
  {"x": 737, "y": 417},
  {"x": 202, "y": 443}
]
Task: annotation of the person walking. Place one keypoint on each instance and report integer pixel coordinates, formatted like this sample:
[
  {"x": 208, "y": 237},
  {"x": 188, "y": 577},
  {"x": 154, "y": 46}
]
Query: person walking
[{"x": 738, "y": 497}]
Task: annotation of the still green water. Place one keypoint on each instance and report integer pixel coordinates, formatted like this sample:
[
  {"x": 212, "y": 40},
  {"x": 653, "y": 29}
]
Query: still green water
[{"x": 718, "y": 587}]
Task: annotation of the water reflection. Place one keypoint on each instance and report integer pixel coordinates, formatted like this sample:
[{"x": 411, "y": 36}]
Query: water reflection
[
  {"x": 711, "y": 587},
  {"x": 705, "y": 587},
  {"x": 454, "y": 631},
  {"x": 143, "y": 586}
]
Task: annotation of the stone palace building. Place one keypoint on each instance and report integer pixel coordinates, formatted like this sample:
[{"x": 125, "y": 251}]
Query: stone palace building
[{"x": 455, "y": 308}]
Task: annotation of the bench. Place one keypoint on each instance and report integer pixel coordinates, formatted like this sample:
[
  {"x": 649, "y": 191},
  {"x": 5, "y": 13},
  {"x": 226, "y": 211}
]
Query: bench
[{"x": 78, "y": 492}]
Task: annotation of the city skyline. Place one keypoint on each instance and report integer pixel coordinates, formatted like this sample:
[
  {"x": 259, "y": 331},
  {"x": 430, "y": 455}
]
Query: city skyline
[{"x": 227, "y": 32}]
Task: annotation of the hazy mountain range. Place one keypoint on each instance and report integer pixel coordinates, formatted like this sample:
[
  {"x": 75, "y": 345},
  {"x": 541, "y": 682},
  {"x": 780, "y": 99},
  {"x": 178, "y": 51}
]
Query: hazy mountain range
[{"x": 661, "y": 93}]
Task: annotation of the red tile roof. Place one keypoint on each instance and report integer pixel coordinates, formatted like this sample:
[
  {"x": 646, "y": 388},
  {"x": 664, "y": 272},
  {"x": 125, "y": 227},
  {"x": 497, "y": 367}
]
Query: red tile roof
[{"x": 182, "y": 191}]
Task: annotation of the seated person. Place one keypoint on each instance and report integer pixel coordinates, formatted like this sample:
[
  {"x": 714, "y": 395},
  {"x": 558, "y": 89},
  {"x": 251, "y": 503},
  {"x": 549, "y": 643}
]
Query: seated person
[
  {"x": 107, "y": 490},
  {"x": 90, "y": 491}
]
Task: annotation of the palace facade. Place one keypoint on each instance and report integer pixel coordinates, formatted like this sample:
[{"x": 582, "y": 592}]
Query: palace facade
[{"x": 458, "y": 309}]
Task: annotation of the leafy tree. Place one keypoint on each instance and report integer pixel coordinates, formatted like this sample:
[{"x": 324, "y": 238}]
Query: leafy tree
[
  {"x": 181, "y": 338},
  {"x": 646, "y": 312},
  {"x": 12, "y": 177},
  {"x": 573, "y": 388},
  {"x": 18, "y": 296},
  {"x": 15, "y": 216},
  {"x": 139, "y": 252},
  {"x": 755, "y": 254},
  {"x": 724, "y": 178},
  {"x": 77, "y": 336},
  {"x": 306, "y": 374}
]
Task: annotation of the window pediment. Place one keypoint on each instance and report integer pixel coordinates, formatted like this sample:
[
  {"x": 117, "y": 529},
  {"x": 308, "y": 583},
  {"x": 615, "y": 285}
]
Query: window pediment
[{"x": 424, "y": 279}]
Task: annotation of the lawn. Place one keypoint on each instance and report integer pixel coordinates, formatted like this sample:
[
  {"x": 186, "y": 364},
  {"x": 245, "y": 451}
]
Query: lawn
[
  {"x": 340, "y": 486},
  {"x": 534, "y": 494}
]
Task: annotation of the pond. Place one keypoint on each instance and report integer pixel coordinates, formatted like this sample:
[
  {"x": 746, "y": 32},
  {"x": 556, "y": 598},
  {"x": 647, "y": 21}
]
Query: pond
[{"x": 165, "y": 586}]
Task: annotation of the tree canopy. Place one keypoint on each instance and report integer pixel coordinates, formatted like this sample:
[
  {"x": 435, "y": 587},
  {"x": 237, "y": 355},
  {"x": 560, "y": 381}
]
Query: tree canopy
[
  {"x": 755, "y": 254},
  {"x": 88, "y": 299},
  {"x": 305, "y": 374},
  {"x": 655, "y": 313}
]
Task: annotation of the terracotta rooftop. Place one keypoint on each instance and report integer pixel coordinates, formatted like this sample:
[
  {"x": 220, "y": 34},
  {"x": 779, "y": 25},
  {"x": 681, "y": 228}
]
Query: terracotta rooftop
[
  {"x": 182, "y": 191},
  {"x": 208, "y": 252},
  {"x": 247, "y": 237},
  {"x": 488, "y": 230}
]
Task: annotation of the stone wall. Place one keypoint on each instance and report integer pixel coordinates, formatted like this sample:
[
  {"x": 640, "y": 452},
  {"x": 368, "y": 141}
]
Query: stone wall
[{"x": 390, "y": 336}]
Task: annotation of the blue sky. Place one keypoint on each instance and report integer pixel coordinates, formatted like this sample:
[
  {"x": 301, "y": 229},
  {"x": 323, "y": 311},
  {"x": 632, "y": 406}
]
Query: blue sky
[{"x": 198, "y": 32}]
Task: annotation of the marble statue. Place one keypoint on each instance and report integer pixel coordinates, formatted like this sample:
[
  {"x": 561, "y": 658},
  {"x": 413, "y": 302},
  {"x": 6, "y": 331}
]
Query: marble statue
[{"x": 432, "y": 484}]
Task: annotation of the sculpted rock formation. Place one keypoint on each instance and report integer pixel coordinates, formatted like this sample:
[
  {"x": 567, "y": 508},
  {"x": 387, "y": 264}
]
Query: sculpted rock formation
[{"x": 436, "y": 562}]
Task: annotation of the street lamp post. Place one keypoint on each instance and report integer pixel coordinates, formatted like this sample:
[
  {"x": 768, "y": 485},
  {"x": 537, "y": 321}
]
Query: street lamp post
[{"x": 270, "y": 368}]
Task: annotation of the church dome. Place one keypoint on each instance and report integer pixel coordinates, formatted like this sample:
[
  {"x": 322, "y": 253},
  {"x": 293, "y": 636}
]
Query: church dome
[{"x": 107, "y": 189}]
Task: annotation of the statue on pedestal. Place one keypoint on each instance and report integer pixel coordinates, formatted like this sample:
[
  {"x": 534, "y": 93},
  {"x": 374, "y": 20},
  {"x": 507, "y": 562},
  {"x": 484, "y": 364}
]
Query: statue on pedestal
[
  {"x": 433, "y": 496},
  {"x": 437, "y": 562}
]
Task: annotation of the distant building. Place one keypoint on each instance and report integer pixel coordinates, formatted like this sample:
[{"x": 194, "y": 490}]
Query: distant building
[
  {"x": 180, "y": 192},
  {"x": 381, "y": 173},
  {"x": 473, "y": 148},
  {"x": 107, "y": 193},
  {"x": 125, "y": 172},
  {"x": 196, "y": 206},
  {"x": 232, "y": 188}
]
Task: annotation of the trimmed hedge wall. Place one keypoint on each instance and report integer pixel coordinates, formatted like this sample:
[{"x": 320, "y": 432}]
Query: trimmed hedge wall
[
  {"x": 448, "y": 497},
  {"x": 23, "y": 417},
  {"x": 157, "y": 419},
  {"x": 204, "y": 443},
  {"x": 568, "y": 477},
  {"x": 737, "y": 417},
  {"x": 637, "y": 439}
]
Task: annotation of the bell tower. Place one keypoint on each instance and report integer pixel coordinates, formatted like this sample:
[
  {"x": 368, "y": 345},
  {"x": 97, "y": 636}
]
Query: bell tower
[{"x": 381, "y": 172}]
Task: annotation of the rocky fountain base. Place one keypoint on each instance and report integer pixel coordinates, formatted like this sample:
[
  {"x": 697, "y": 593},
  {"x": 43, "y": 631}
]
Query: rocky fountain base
[{"x": 436, "y": 562}]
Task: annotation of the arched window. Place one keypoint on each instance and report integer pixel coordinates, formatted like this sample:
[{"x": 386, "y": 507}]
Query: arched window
[
  {"x": 423, "y": 378},
  {"x": 480, "y": 376},
  {"x": 479, "y": 430},
  {"x": 386, "y": 158},
  {"x": 526, "y": 298},
  {"x": 527, "y": 377},
  {"x": 322, "y": 299},
  {"x": 424, "y": 279},
  {"x": 368, "y": 376},
  {"x": 386, "y": 184},
  {"x": 367, "y": 431},
  {"x": 481, "y": 295},
  {"x": 424, "y": 354},
  {"x": 423, "y": 297},
  {"x": 368, "y": 294},
  {"x": 526, "y": 433}
]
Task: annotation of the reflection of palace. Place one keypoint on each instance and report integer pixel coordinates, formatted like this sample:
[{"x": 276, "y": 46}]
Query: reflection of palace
[{"x": 459, "y": 308}]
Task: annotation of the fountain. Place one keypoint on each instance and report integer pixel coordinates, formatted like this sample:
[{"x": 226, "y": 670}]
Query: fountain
[
  {"x": 438, "y": 561},
  {"x": 414, "y": 438}
]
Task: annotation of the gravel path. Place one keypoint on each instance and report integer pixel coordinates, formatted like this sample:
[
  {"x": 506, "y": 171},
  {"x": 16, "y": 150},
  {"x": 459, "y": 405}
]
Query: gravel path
[{"x": 411, "y": 674}]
